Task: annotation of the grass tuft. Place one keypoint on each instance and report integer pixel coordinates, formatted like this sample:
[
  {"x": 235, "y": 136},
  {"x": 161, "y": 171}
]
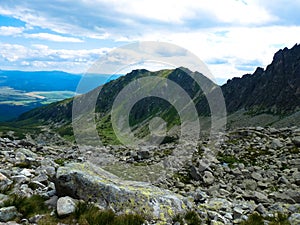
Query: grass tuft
[{"x": 27, "y": 206}]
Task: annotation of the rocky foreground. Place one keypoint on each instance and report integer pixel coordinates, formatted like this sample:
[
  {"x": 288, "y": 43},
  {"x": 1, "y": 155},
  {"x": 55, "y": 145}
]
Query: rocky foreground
[{"x": 250, "y": 170}]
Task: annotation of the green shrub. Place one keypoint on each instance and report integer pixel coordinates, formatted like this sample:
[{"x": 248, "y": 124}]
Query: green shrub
[
  {"x": 277, "y": 219},
  {"x": 189, "y": 218},
  {"x": 60, "y": 161},
  {"x": 27, "y": 206},
  {"x": 192, "y": 218},
  {"x": 91, "y": 215},
  {"x": 254, "y": 219}
]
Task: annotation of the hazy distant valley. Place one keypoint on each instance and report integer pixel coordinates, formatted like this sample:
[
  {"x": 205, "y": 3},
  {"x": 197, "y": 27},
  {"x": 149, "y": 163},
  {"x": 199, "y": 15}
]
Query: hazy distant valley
[{"x": 21, "y": 91}]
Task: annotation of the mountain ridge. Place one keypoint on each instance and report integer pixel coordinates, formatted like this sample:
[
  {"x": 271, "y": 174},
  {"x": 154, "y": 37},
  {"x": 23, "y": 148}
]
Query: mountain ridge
[{"x": 274, "y": 91}]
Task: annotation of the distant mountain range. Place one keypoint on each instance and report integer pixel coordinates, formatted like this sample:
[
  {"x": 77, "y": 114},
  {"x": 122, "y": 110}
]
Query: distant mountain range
[
  {"x": 269, "y": 97},
  {"x": 21, "y": 91}
]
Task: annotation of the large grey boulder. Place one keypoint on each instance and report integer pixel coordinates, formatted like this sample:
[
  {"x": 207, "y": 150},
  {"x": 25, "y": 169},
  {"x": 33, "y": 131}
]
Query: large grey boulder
[{"x": 89, "y": 182}]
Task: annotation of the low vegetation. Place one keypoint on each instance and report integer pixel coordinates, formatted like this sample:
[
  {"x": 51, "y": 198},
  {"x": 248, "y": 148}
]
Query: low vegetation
[
  {"x": 189, "y": 218},
  {"x": 27, "y": 206},
  {"x": 257, "y": 219},
  {"x": 88, "y": 214}
]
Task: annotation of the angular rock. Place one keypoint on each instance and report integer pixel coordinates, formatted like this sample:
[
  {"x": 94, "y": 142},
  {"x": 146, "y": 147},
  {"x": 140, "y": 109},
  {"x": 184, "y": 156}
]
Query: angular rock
[
  {"x": 256, "y": 176},
  {"x": 296, "y": 177},
  {"x": 283, "y": 180},
  {"x": 65, "y": 206},
  {"x": 208, "y": 178},
  {"x": 293, "y": 194},
  {"x": 8, "y": 213},
  {"x": 5, "y": 183},
  {"x": 194, "y": 173},
  {"x": 204, "y": 165},
  {"x": 281, "y": 197},
  {"x": 237, "y": 212},
  {"x": 259, "y": 197},
  {"x": 261, "y": 209},
  {"x": 250, "y": 184},
  {"x": 144, "y": 154},
  {"x": 276, "y": 144},
  {"x": 3, "y": 198},
  {"x": 89, "y": 182},
  {"x": 294, "y": 218},
  {"x": 296, "y": 141}
]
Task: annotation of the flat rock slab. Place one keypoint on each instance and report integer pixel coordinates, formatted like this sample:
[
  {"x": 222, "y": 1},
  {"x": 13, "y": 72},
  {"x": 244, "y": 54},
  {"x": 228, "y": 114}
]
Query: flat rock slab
[{"x": 91, "y": 183}]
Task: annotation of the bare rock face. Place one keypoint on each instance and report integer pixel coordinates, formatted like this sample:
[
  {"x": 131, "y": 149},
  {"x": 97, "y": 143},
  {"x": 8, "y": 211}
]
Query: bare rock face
[{"x": 89, "y": 182}]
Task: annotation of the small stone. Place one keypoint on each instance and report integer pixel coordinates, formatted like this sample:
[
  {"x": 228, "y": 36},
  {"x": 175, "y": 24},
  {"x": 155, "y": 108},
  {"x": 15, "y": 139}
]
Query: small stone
[
  {"x": 194, "y": 173},
  {"x": 208, "y": 178},
  {"x": 261, "y": 209},
  {"x": 203, "y": 165},
  {"x": 260, "y": 197},
  {"x": 26, "y": 172},
  {"x": 262, "y": 185},
  {"x": 236, "y": 172},
  {"x": 296, "y": 178},
  {"x": 293, "y": 194},
  {"x": 276, "y": 143},
  {"x": 5, "y": 183},
  {"x": 281, "y": 197},
  {"x": 237, "y": 212},
  {"x": 20, "y": 179},
  {"x": 52, "y": 202},
  {"x": 296, "y": 141},
  {"x": 35, "y": 185},
  {"x": 294, "y": 218},
  {"x": 144, "y": 154},
  {"x": 3, "y": 198},
  {"x": 35, "y": 219},
  {"x": 250, "y": 185},
  {"x": 256, "y": 176},
  {"x": 199, "y": 196},
  {"x": 65, "y": 206},
  {"x": 283, "y": 180}
]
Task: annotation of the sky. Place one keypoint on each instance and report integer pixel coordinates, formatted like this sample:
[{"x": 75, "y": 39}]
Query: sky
[{"x": 232, "y": 37}]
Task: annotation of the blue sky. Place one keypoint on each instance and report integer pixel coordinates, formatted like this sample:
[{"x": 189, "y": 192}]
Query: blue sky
[{"x": 232, "y": 37}]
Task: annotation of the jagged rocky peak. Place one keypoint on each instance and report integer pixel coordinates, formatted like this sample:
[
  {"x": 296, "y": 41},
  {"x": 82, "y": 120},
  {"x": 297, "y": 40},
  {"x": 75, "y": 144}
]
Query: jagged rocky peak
[
  {"x": 259, "y": 71},
  {"x": 286, "y": 52}
]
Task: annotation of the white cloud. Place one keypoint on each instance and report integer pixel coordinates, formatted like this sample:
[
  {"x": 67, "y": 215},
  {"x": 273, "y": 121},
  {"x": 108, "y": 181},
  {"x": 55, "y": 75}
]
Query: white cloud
[
  {"x": 123, "y": 18},
  {"x": 225, "y": 11},
  {"x": 10, "y": 31},
  {"x": 52, "y": 37},
  {"x": 41, "y": 57},
  {"x": 236, "y": 45},
  {"x": 238, "y": 31}
]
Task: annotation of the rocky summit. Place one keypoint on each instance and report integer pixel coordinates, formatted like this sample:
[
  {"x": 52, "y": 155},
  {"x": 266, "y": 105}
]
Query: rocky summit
[{"x": 251, "y": 171}]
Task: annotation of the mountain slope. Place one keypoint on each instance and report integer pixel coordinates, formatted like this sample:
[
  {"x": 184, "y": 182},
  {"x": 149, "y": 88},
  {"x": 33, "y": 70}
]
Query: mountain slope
[{"x": 262, "y": 98}]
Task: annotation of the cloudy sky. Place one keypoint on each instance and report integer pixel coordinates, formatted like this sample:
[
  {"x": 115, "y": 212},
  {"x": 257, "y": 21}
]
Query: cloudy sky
[{"x": 232, "y": 37}]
